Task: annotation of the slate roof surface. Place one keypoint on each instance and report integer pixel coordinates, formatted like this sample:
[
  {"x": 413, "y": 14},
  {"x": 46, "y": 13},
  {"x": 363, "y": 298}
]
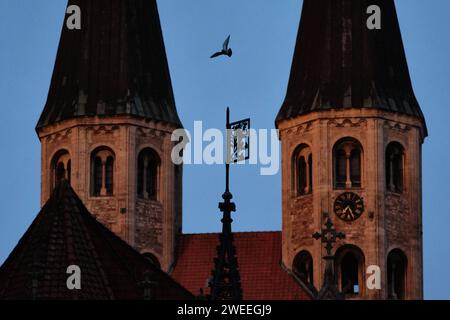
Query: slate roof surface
[
  {"x": 115, "y": 65},
  {"x": 339, "y": 63},
  {"x": 64, "y": 233}
]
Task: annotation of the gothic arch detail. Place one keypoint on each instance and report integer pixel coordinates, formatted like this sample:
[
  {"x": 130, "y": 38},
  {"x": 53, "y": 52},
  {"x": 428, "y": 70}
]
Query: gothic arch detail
[
  {"x": 61, "y": 167},
  {"x": 302, "y": 170},
  {"x": 394, "y": 167},
  {"x": 102, "y": 172},
  {"x": 148, "y": 174},
  {"x": 152, "y": 258},
  {"x": 396, "y": 274},
  {"x": 303, "y": 267},
  {"x": 350, "y": 266},
  {"x": 347, "y": 164}
]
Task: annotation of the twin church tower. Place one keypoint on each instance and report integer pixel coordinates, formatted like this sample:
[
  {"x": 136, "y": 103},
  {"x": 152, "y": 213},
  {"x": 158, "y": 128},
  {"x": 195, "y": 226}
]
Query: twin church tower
[{"x": 351, "y": 133}]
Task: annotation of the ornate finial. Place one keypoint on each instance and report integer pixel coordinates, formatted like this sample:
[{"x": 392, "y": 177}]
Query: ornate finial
[
  {"x": 328, "y": 236},
  {"x": 148, "y": 284}
]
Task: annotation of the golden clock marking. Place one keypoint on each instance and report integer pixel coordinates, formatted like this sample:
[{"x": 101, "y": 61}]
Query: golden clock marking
[{"x": 349, "y": 206}]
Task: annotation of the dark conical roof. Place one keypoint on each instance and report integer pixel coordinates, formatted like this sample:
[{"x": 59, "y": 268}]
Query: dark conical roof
[
  {"x": 64, "y": 233},
  {"x": 115, "y": 65},
  {"x": 339, "y": 63}
]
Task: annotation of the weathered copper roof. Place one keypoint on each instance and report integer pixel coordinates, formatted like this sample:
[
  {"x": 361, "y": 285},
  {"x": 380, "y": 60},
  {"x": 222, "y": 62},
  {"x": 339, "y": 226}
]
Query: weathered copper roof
[
  {"x": 339, "y": 63},
  {"x": 63, "y": 234},
  {"x": 115, "y": 65}
]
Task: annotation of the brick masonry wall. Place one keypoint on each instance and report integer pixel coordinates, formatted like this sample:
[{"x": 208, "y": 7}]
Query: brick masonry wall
[{"x": 149, "y": 226}]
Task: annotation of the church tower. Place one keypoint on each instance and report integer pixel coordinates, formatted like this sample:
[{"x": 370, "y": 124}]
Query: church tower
[
  {"x": 107, "y": 123},
  {"x": 351, "y": 131}
]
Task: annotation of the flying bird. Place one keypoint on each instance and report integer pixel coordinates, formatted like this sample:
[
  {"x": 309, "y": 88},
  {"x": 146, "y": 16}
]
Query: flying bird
[{"x": 225, "y": 50}]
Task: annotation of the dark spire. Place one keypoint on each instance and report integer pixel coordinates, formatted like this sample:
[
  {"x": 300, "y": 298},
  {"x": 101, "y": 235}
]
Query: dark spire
[
  {"x": 226, "y": 281},
  {"x": 115, "y": 65},
  {"x": 339, "y": 63}
]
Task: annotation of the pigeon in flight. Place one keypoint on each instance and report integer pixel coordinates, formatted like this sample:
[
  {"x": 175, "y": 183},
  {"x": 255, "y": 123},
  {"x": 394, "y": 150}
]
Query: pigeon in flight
[{"x": 225, "y": 50}]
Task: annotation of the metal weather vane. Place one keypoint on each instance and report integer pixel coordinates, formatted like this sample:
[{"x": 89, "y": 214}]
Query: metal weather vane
[{"x": 238, "y": 141}]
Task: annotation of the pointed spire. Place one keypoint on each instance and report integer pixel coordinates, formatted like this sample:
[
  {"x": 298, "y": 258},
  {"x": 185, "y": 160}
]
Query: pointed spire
[
  {"x": 226, "y": 282},
  {"x": 115, "y": 65},
  {"x": 339, "y": 63}
]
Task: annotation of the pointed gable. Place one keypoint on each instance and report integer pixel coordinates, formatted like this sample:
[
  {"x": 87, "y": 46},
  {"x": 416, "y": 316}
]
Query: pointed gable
[{"x": 63, "y": 234}]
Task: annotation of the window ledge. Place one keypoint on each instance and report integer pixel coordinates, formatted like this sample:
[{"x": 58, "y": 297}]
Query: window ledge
[
  {"x": 101, "y": 197},
  {"x": 349, "y": 189},
  {"x": 149, "y": 200},
  {"x": 394, "y": 193},
  {"x": 301, "y": 196},
  {"x": 352, "y": 296}
]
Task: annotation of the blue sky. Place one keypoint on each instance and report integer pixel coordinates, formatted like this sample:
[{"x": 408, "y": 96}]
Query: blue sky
[{"x": 253, "y": 83}]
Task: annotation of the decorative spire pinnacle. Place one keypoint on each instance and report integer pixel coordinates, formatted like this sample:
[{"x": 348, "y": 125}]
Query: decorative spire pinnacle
[{"x": 328, "y": 237}]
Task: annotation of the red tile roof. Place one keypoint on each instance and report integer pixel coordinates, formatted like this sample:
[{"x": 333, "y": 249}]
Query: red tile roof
[
  {"x": 259, "y": 259},
  {"x": 64, "y": 233}
]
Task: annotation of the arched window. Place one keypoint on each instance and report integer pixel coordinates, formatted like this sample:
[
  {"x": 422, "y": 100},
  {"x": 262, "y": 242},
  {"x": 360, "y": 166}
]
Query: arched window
[
  {"x": 302, "y": 170},
  {"x": 102, "y": 172},
  {"x": 347, "y": 163},
  {"x": 61, "y": 167},
  {"x": 394, "y": 167},
  {"x": 396, "y": 272},
  {"x": 147, "y": 175},
  {"x": 303, "y": 267},
  {"x": 349, "y": 274},
  {"x": 349, "y": 269},
  {"x": 153, "y": 259}
]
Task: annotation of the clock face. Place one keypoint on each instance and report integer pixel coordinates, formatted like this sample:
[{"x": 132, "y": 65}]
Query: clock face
[{"x": 348, "y": 206}]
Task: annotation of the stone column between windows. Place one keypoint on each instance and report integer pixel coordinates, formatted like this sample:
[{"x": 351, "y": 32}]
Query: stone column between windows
[
  {"x": 144, "y": 179},
  {"x": 103, "y": 191},
  {"x": 348, "y": 181}
]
